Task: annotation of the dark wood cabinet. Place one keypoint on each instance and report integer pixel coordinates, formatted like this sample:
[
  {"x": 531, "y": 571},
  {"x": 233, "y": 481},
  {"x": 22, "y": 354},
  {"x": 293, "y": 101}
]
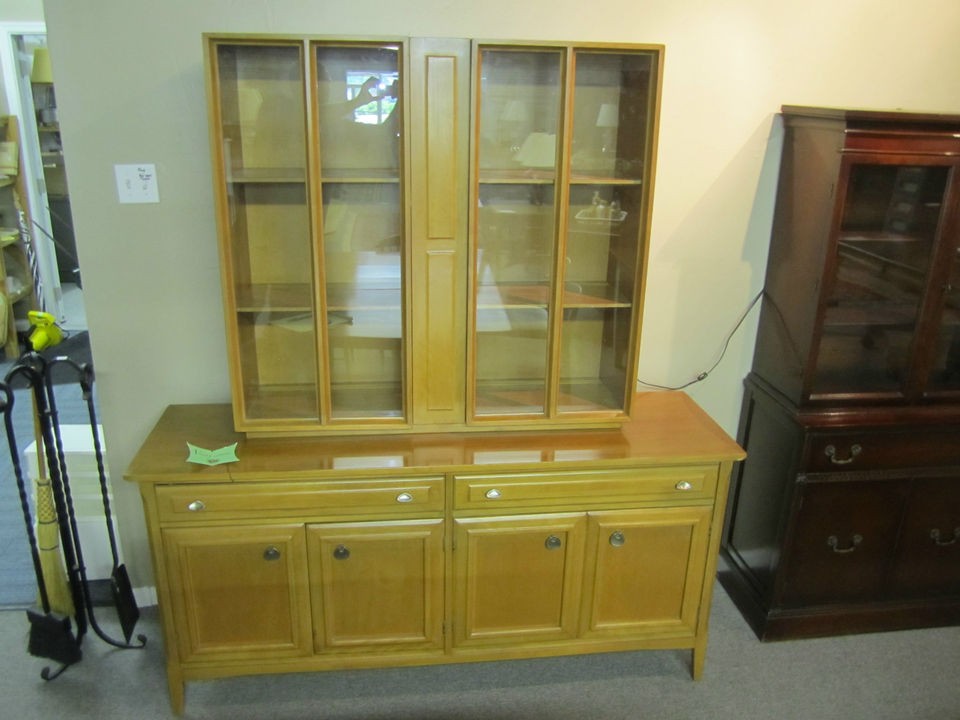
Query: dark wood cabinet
[{"x": 845, "y": 517}]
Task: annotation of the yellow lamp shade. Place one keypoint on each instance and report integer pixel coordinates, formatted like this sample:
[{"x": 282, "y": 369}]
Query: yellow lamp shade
[{"x": 42, "y": 72}]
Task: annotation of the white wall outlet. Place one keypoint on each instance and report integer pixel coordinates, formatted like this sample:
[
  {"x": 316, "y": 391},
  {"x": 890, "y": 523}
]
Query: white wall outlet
[{"x": 137, "y": 183}]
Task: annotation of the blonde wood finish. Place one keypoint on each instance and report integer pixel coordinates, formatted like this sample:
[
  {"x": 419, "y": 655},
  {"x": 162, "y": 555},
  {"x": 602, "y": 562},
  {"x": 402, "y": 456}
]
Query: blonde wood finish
[
  {"x": 437, "y": 571},
  {"x": 439, "y": 89},
  {"x": 517, "y": 579},
  {"x": 377, "y": 585},
  {"x": 241, "y": 593}
]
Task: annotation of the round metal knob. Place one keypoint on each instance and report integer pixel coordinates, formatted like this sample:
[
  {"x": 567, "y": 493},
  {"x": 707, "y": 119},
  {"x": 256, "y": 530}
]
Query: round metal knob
[
  {"x": 271, "y": 553},
  {"x": 684, "y": 485},
  {"x": 341, "y": 552},
  {"x": 553, "y": 542},
  {"x": 617, "y": 539},
  {"x": 404, "y": 497},
  {"x": 492, "y": 494},
  {"x": 196, "y": 506}
]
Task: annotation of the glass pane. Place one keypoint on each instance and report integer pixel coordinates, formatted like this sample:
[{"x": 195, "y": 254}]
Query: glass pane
[
  {"x": 358, "y": 90},
  {"x": 519, "y": 111},
  {"x": 264, "y": 151},
  {"x": 613, "y": 100},
  {"x": 946, "y": 369},
  {"x": 603, "y": 234},
  {"x": 884, "y": 247}
]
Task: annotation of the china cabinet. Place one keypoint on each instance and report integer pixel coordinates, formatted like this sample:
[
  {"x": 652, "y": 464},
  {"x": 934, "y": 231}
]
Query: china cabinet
[
  {"x": 846, "y": 515},
  {"x": 320, "y": 553},
  {"x": 423, "y": 234}
]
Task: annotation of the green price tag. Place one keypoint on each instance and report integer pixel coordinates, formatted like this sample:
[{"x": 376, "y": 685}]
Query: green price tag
[{"x": 202, "y": 456}]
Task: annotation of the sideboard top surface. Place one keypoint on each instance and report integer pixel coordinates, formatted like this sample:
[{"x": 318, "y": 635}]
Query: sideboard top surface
[{"x": 666, "y": 427}]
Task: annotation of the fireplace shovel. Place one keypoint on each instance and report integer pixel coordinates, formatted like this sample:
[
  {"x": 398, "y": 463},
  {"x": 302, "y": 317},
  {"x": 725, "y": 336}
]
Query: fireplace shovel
[
  {"x": 51, "y": 635},
  {"x": 121, "y": 589}
]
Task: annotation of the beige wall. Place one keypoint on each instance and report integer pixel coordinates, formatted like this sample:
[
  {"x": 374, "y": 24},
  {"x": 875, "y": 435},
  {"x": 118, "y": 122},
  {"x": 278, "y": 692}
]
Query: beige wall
[{"x": 130, "y": 89}]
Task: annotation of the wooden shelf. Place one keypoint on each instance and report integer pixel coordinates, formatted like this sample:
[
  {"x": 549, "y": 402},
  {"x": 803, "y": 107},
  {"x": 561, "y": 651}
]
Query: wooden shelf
[
  {"x": 525, "y": 296},
  {"x": 266, "y": 175}
]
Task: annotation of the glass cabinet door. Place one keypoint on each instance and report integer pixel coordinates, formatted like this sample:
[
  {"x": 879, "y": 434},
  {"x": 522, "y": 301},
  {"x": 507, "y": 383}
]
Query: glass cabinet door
[
  {"x": 888, "y": 234},
  {"x": 613, "y": 103},
  {"x": 564, "y": 143},
  {"x": 265, "y": 212},
  {"x": 359, "y": 124},
  {"x": 520, "y": 112}
]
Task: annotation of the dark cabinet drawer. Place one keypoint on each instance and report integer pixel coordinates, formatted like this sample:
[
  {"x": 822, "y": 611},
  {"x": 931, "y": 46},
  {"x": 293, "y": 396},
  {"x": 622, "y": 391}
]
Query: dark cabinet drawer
[
  {"x": 927, "y": 562},
  {"x": 842, "y": 538},
  {"x": 875, "y": 449}
]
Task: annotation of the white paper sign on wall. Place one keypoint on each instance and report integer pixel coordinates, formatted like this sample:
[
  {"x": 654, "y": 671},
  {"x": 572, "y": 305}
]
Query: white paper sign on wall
[{"x": 137, "y": 183}]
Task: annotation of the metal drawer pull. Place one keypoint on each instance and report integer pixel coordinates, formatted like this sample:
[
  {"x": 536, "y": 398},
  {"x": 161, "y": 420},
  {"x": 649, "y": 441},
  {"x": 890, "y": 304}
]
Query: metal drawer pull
[
  {"x": 553, "y": 542},
  {"x": 492, "y": 494},
  {"x": 834, "y": 543},
  {"x": 935, "y": 536},
  {"x": 271, "y": 553},
  {"x": 617, "y": 539},
  {"x": 196, "y": 506},
  {"x": 341, "y": 552},
  {"x": 684, "y": 485},
  {"x": 831, "y": 452},
  {"x": 404, "y": 497}
]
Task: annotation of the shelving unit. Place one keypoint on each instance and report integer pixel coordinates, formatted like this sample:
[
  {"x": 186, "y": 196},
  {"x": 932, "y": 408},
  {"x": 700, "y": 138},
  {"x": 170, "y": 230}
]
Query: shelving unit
[{"x": 16, "y": 279}]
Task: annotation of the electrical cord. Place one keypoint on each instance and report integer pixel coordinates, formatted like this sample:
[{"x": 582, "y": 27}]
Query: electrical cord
[{"x": 723, "y": 351}]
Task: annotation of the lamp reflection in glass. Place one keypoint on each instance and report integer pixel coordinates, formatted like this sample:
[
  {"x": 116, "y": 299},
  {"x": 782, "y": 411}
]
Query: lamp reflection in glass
[
  {"x": 539, "y": 150},
  {"x": 608, "y": 118},
  {"x": 514, "y": 117}
]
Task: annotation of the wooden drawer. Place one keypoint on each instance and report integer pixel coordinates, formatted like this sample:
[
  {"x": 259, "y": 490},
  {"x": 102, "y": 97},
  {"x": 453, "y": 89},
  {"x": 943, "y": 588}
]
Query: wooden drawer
[
  {"x": 873, "y": 449},
  {"x": 582, "y": 489},
  {"x": 306, "y": 499}
]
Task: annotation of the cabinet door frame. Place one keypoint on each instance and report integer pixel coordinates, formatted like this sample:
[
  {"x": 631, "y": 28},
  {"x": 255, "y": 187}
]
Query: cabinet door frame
[
  {"x": 283, "y": 545},
  {"x": 469, "y": 534},
  {"x": 609, "y": 533},
  {"x": 346, "y": 538}
]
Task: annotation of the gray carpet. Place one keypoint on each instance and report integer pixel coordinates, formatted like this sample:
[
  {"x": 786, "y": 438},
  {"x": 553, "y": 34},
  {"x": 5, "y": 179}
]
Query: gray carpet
[{"x": 885, "y": 676}]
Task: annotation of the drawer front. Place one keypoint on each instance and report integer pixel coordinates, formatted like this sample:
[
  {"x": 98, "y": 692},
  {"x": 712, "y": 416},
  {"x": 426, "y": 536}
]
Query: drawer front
[
  {"x": 843, "y": 536},
  {"x": 580, "y": 489},
  {"x": 878, "y": 449},
  {"x": 307, "y": 499}
]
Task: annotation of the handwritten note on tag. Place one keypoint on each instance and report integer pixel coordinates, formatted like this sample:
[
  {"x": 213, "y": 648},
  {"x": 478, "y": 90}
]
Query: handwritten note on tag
[{"x": 202, "y": 456}]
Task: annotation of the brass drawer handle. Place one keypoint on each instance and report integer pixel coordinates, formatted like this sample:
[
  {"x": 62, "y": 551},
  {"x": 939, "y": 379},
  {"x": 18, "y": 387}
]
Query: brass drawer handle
[
  {"x": 196, "y": 506},
  {"x": 271, "y": 553},
  {"x": 553, "y": 543},
  {"x": 831, "y": 452},
  {"x": 492, "y": 494},
  {"x": 404, "y": 497},
  {"x": 935, "y": 536},
  {"x": 684, "y": 485},
  {"x": 834, "y": 542}
]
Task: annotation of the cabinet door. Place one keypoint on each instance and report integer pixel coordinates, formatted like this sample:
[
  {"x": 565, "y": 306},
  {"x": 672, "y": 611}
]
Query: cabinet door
[
  {"x": 928, "y": 555},
  {"x": 644, "y": 570},
  {"x": 843, "y": 537},
  {"x": 239, "y": 592},
  {"x": 377, "y": 585},
  {"x": 887, "y": 261},
  {"x": 261, "y": 181},
  {"x": 565, "y": 146},
  {"x": 517, "y": 579},
  {"x": 359, "y": 127}
]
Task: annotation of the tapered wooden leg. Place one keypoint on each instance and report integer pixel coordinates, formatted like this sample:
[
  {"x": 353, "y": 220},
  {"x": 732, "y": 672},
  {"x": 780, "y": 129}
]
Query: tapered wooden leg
[
  {"x": 699, "y": 655},
  {"x": 176, "y": 689}
]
